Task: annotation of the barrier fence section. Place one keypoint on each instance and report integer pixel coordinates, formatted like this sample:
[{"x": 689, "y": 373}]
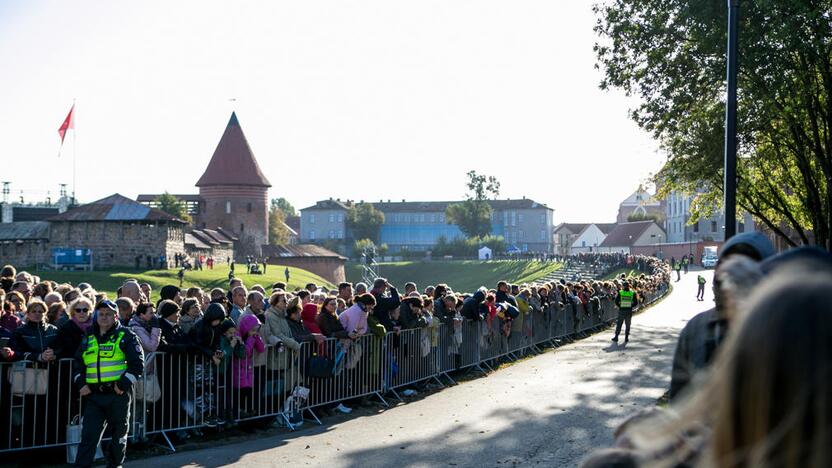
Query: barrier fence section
[{"x": 39, "y": 406}]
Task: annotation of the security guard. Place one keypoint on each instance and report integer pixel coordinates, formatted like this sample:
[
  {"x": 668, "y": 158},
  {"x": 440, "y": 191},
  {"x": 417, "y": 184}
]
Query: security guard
[
  {"x": 625, "y": 300},
  {"x": 107, "y": 364},
  {"x": 700, "y": 293}
]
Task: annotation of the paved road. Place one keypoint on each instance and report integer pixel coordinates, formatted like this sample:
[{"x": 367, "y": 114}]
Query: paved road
[{"x": 549, "y": 410}]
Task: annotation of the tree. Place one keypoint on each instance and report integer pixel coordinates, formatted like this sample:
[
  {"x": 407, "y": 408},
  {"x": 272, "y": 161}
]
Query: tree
[
  {"x": 672, "y": 56},
  {"x": 278, "y": 230},
  {"x": 634, "y": 217},
  {"x": 473, "y": 216},
  {"x": 364, "y": 221},
  {"x": 172, "y": 206},
  {"x": 284, "y": 205}
]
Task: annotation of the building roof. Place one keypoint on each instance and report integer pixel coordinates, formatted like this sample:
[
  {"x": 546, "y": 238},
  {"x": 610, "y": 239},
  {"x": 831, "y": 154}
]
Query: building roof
[
  {"x": 204, "y": 238},
  {"x": 116, "y": 207},
  {"x": 151, "y": 197},
  {"x": 192, "y": 240},
  {"x": 299, "y": 250},
  {"x": 24, "y": 231},
  {"x": 329, "y": 205},
  {"x": 33, "y": 213},
  {"x": 425, "y": 206},
  {"x": 293, "y": 222},
  {"x": 626, "y": 234},
  {"x": 233, "y": 163},
  {"x": 574, "y": 228},
  {"x": 215, "y": 236},
  {"x": 606, "y": 228}
]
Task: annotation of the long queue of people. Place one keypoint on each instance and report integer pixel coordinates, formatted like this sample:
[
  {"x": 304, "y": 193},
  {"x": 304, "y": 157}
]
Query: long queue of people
[
  {"x": 224, "y": 357},
  {"x": 749, "y": 383}
]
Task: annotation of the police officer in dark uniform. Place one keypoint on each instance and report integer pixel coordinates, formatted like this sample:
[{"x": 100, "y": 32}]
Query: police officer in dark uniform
[
  {"x": 625, "y": 300},
  {"x": 107, "y": 365}
]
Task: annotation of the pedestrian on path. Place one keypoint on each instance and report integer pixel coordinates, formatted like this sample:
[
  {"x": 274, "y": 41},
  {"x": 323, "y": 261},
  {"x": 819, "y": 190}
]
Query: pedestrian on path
[
  {"x": 678, "y": 268},
  {"x": 625, "y": 300},
  {"x": 700, "y": 293}
]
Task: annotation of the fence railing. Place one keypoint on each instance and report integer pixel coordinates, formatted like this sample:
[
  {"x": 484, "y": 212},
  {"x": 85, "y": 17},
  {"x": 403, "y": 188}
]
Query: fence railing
[{"x": 39, "y": 406}]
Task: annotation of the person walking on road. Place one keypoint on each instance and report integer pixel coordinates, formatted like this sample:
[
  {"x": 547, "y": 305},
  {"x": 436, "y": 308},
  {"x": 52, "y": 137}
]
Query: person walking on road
[
  {"x": 678, "y": 268},
  {"x": 685, "y": 263},
  {"x": 625, "y": 300},
  {"x": 107, "y": 364},
  {"x": 700, "y": 293}
]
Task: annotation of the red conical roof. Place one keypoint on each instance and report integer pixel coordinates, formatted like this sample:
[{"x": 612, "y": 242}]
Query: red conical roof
[{"x": 233, "y": 162}]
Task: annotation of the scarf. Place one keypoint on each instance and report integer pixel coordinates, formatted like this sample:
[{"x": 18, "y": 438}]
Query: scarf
[{"x": 83, "y": 325}]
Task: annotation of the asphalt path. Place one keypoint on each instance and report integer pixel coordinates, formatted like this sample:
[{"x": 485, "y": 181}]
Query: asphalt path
[{"x": 550, "y": 410}]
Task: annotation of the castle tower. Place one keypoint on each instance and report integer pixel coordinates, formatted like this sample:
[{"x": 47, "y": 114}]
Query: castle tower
[{"x": 235, "y": 193}]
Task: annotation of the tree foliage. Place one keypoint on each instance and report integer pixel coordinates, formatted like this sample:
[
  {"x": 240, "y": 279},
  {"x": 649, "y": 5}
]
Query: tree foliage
[
  {"x": 364, "y": 221},
  {"x": 279, "y": 233},
  {"x": 672, "y": 56},
  {"x": 473, "y": 216},
  {"x": 284, "y": 205},
  {"x": 173, "y": 206}
]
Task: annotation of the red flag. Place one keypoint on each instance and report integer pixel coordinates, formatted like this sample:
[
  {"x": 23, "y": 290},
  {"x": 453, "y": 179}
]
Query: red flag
[{"x": 69, "y": 122}]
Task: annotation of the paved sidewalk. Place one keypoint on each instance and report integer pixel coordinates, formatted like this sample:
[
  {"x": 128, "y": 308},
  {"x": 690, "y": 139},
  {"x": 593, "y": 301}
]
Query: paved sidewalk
[{"x": 548, "y": 411}]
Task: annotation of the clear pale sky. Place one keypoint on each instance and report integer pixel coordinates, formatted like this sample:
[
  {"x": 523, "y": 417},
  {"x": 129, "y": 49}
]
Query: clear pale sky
[{"x": 351, "y": 99}]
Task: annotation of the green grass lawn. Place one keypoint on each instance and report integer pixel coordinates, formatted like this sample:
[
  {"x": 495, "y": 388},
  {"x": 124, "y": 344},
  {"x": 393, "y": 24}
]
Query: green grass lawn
[
  {"x": 109, "y": 280},
  {"x": 460, "y": 275}
]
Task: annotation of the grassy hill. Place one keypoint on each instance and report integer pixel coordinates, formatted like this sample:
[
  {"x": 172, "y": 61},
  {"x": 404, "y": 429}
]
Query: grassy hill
[
  {"x": 109, "y": 280},
  {"x": 464, "y": 275}
]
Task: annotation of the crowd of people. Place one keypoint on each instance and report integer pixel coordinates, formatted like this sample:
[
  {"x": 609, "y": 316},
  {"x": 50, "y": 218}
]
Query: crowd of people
[
  {"x": 749, "y": 376},
  {"x": 218, "y": 357}
]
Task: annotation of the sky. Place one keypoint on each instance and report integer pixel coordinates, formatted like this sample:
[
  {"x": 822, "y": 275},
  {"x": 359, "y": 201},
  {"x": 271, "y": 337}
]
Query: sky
[{"x": 363, "y": 100}]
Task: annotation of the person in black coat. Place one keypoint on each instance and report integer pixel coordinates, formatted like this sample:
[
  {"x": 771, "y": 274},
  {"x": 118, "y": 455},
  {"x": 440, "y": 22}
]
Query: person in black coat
[
  {"x": 71, "y": 333},
  {"x": 474, "y": 308},
  {"x": 385, "y": 303}
]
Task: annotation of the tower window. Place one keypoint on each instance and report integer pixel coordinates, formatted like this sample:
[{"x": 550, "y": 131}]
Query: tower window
[
  {"x": 242, "y": 228},
  {"x": 227, "y": 207},
  {"x": 248, "y": 207}
]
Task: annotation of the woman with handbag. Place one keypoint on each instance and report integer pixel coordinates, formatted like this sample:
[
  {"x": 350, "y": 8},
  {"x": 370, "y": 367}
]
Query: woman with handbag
[{"x": 35, "y": 342}]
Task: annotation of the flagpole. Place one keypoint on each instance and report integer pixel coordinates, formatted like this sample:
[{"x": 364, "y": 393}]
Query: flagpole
[{"x": 74, "y": 141}]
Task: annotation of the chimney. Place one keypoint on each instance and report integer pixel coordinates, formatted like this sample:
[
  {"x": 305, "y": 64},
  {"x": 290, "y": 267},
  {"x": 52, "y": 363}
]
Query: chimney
[{"x": 402, "y": 200}]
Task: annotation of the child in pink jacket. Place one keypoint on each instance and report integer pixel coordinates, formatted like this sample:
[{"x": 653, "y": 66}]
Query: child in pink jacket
[{"x": 243, "y": 360}]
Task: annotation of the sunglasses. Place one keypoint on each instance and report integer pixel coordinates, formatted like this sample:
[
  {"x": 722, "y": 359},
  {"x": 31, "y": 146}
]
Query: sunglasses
[{"x": 84, "y": 310}]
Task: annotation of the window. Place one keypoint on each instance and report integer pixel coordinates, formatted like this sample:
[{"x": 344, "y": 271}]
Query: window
[
  {"x": 543, "y": 234},
  {"x": 312, "y": 234},
  {"x": 332, "y": 217},
  {"x": 242, "y": 228},
  {"x": 331, "y": 234},
  {"x": 514, "y": 218},
  {"x": 696, "y": 226},
  {"x": 713, "y": 226},
  {"x": 521, "y": 235},
  {"x": 520, "y": 218},
  {"x": 340, "y": 217},
  {"x": 433, "y": 218},
  {"x": 441, "y": 218},
  {"x": 340, "y": 233},
  {"x": 227, "y": 207},
  {"x": 583, "y": 243},
  {"x": 543, "y": 219},
  {"x": 312, "y": 221},
  {"x": 248, "y": 207}
]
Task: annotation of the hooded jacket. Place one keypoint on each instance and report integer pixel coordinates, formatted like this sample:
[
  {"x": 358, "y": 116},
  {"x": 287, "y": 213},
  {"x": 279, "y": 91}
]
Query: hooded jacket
[
  {"x": 244, "y": 366},
  {"x": 308, "y": 317},
  {"x": 473, "y": 307},
  {"x": 384, "y": 304},
  {"x": 205, "y": 337}
]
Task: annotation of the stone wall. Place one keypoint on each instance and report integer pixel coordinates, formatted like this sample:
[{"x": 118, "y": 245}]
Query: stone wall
[
  {"x": 330, "y": 269},
  {"x": 25, "y": 254},
  {"x": 116, "y": 243}
]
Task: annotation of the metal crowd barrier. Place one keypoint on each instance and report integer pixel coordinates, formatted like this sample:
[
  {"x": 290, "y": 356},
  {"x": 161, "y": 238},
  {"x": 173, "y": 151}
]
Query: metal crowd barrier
[{"x": 179, "y": 391}]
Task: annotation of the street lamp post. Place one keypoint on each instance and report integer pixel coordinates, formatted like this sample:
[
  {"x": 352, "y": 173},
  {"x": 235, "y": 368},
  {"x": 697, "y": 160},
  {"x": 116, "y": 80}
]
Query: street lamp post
[{"x": 730, "y": 183}]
